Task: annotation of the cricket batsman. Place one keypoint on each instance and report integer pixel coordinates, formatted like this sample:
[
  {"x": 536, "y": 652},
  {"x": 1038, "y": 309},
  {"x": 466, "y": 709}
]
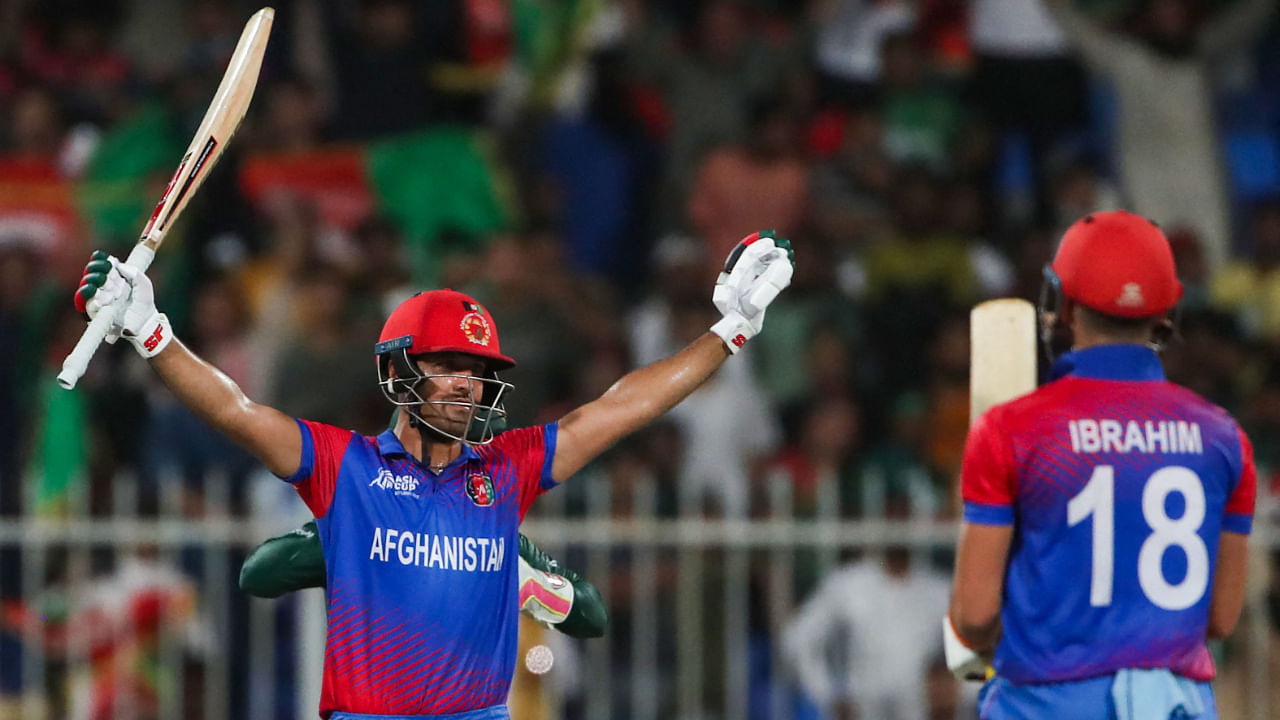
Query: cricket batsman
[
  {"x": 1106, "y": 514},
  {"x": 419, "y": 524}
]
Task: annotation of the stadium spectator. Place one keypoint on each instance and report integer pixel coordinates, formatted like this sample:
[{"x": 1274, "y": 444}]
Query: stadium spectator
[
  {"x": 1025, "y": 81},
  {"x": 922, "y": 120},
  {"x": 1249, "y": 287},
  {"x": 707, "y": 80},
  {"x": 1163, "y": 91},
  {"x": 760, "y": 180},
  {"x": 856, "y": 606},
  {"x": 848, "y": 48},
  {"x": 601, "y": 168},
  {"x": 934, "y": 180}
]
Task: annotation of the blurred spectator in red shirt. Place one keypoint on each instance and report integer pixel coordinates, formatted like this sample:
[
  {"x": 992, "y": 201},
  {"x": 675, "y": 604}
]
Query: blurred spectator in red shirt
[
  {"x": 708, "y": 77},
  {"x": 762, "y": 183}
]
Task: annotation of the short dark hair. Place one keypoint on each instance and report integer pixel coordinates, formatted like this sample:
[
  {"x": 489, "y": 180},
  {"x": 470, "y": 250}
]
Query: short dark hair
[{"x": 1137, "y": 330}]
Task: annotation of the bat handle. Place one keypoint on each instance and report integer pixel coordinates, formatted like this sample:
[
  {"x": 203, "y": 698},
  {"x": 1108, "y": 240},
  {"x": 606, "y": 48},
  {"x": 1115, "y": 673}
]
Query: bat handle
[{"x": 78, "y": 361}]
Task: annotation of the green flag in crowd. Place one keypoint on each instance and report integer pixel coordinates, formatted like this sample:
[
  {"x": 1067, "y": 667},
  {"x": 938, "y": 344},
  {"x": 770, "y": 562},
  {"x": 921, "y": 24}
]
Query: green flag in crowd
[
  {"x": 433, "y": 180},
  {"x": 58, "y": 464},
  {"x": 116, "y": 193}
]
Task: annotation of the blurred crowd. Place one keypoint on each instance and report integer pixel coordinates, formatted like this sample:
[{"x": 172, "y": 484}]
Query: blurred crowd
[{"x": 583, "y": 167}]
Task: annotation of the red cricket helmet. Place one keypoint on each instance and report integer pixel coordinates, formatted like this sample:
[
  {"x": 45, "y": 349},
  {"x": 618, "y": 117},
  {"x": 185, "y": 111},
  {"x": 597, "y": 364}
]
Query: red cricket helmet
[
  {"x": 1117, "y": 263},
  {"x": 443, "y": 321}
]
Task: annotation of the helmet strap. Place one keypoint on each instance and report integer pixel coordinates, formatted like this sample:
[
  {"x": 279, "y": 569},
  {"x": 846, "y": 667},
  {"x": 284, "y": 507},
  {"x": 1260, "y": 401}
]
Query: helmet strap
[
  {"x": 1167, "y": 330},
  {"x": 1055, "y": 330}
]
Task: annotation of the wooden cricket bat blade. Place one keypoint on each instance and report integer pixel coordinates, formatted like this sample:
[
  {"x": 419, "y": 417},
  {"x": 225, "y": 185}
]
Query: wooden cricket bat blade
[
  {"x": 225, "y": 112},
  {"x": 1002, "y": 353}
]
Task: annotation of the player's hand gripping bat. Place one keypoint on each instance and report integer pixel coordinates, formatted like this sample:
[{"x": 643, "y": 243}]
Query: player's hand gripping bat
[{"x": 220, "y": 122}]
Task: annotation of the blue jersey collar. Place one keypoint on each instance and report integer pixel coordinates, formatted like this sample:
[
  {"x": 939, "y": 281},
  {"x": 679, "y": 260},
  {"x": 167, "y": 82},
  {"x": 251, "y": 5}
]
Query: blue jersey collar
[
  {"x": 1110, "y": 362},
  {"x": 389, "y": 444}
]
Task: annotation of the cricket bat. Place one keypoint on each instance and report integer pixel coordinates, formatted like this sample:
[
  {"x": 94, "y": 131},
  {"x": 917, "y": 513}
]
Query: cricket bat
[
  {"x": 220, "y": 122},
  {"x": 1002, "y": 353}
]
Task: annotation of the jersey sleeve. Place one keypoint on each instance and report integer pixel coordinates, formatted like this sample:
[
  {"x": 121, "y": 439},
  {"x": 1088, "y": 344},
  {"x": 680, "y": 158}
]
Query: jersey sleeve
[
  {"x": 531, "y": 451},
  {"x": 323, "y": 447},
  {"x": 988, "y": 476},
  {"x": 283, "y": 564},
  {"x": 1239, "y": 510}
]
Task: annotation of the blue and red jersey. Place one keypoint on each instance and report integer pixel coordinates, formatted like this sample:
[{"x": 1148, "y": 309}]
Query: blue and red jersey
[
  {"x": 421, "y": 567},
  {"x": 1118, "y": 484}
]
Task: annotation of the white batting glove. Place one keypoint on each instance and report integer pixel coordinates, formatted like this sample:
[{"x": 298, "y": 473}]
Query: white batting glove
[
  {"x": 963, "y": 662},
  {"x": 546, "y": 598},
  {"x": 755, "y": 272},
  {"x": 111, "y": 286}
]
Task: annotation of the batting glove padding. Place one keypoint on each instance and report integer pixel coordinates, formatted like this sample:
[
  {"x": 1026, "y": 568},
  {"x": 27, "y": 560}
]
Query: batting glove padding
[
  {"x": 963, "y": 662},
  {"x": 755, "y": 272},
  {"x": 546, "y": 597},
  {"x": 112, "y": 286}
]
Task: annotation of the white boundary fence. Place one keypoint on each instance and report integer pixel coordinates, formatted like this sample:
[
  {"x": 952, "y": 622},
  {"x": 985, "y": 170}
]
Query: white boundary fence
[{"x": 663, "y": 579}]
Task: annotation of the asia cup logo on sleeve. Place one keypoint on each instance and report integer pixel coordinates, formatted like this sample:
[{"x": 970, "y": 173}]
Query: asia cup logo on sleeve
[{"x": 480, "y": 489}]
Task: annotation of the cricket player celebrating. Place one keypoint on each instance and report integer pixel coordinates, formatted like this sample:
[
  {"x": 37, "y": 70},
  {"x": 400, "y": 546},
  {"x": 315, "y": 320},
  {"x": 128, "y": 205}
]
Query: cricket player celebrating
[
  {"x": 1106, "y": 513},
  {"x": 419, "y": 524}
]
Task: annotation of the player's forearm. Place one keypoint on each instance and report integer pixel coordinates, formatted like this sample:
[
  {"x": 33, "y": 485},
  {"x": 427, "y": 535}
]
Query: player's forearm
[
  {"x": 634, "y": 401},
  {"x": 643, "y": 395},
  {"x": 215, "y": 398},
  {"x": 1228, "y": 584},
  {"x": 977, "y": 592},
  {"x": 758, "y": 268},
  {"x": 201, "y": 387},
  {"x": 978, "y": 636}
]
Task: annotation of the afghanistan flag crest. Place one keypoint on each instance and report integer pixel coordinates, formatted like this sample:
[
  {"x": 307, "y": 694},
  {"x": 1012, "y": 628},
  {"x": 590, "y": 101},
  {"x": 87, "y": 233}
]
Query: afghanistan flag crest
[{"x": 480, "y": 489}]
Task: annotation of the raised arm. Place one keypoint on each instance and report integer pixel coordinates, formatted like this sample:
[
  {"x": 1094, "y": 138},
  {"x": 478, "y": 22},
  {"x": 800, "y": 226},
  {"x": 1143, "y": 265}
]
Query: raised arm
[
  {"x": 756, "y": 271},
  {"x": 270, "y": 435},
  {"x": 1235, "y": 27},
  {"x": 1102, "y": 49},
  {"x": 267, "y": 433},
  {"x": 634, "y": 401}
]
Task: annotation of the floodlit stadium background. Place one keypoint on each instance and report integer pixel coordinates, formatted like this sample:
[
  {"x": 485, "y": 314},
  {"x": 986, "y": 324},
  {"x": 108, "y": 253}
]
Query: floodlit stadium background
[{"x": 582, "y": 166}]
